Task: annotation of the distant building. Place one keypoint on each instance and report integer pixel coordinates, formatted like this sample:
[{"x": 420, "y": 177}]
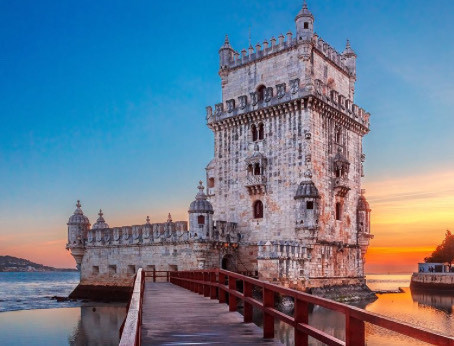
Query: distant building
[{"x": 284, "y": 194}]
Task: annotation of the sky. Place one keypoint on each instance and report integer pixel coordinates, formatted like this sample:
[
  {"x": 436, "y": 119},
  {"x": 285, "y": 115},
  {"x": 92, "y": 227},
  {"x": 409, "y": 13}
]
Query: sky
[{"x": 104, "y": 101}]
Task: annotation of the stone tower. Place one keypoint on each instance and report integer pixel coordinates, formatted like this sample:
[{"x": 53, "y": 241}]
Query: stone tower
[{"x": 288, "y": 158}]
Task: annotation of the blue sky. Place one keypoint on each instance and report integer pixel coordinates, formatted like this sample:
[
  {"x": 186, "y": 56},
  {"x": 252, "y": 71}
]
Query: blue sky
[{"x": 104, "y": 101}]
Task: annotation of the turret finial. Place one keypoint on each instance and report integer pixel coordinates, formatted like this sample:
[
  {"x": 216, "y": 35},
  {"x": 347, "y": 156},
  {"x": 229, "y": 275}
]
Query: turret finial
[
  {"x": 348, "y": 44},
  {"x": 148, "y": 219},
  {"x": 169, "y": 218},
  {"x": 100, "y": 213},
  {"x": 304, "y": 4},
  {"x": 226, "y": 41},
  {"x": 78, "y": 205}
]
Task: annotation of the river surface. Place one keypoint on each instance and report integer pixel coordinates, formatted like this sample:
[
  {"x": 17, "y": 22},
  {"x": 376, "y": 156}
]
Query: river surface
[{"x": 29, "y": 317}]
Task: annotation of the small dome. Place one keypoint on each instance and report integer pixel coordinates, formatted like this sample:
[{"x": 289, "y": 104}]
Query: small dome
[
  {"x": 100, "y": 223},
  {"x": 307, "y": 189},
  {"x": 201, "y": 205},
  {"x": 304, "y": 12},
  {"x": 78, "y": 218},
  {"x": 363, "y": 205}
]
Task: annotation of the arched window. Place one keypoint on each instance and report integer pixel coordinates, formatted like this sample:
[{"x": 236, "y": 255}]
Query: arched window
[
  {"x": 250, "y": 170},
  {"x": 254, "y": 132},
  {"x": 338, "y": 135},
  {"x": 258, "y": 210},
  {"x": 338, "y": 211},
  {"x": 261, "y": 131},
  {"x": 261, "y": 92},
  {"x": 256, "y": 169},
  {"x": 201, "y": 220},
  {"x": 211, "y": 182}
]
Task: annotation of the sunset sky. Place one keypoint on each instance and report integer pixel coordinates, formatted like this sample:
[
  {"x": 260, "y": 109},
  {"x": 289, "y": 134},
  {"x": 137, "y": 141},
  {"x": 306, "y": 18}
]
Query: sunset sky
[{"x": 104, "y": 101}]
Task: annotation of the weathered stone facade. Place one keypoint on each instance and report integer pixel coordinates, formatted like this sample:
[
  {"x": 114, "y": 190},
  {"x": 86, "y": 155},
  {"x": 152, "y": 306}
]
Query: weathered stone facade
[
  {"x": 284, "y": 191},
  {"x": 288, "y": 157}
]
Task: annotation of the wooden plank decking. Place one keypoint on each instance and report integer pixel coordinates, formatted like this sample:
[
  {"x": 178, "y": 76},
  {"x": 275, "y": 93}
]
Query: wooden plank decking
[{"x": 175, "y": 316}]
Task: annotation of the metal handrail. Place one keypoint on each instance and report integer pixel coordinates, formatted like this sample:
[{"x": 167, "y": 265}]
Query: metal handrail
[{"x": 217, "y": 283}]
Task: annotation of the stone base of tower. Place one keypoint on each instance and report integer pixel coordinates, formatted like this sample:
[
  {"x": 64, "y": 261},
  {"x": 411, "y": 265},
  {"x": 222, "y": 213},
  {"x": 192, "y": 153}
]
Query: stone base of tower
[
  {"x": 103, "y": 293},
  {"x": 353, "y": 291}
]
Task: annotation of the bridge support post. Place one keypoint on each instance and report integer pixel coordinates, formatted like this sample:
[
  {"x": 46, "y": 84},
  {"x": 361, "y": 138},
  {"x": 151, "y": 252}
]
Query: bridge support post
[
  {"x": 212, "y": 287},
  {"x": 232, "y": 298},
  {"x": 221, "y": 288},
  {"x": 247, "y": 287},
  {"x": 206, "y": 285},
  {"x": 268, "y": 320},
  {"x": 301, "y": 315},
  {"x": 354, "y": 333}
]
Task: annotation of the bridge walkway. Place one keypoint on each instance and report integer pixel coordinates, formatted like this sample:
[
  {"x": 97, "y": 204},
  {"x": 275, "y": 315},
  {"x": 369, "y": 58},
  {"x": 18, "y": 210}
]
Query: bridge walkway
[{"x": 173, "y": 315}]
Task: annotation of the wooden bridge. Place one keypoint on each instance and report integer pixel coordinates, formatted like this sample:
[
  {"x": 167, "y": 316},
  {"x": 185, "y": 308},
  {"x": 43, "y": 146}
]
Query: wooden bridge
[{"x": 184, "y": 309}]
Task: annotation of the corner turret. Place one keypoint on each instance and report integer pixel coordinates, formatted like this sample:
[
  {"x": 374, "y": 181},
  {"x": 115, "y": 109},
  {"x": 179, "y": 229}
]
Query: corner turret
[
  {"x": 304, "y": 24},
  {"x": 350, "y": 58},
  {"x": 226, "y": 54},
  {"x": 200, "y": 216},
  {"x": 78, "y": 226}
]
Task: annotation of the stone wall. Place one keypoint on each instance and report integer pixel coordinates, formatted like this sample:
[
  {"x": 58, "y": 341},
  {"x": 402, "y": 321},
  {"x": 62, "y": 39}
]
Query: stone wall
[{"x": 432, "y": 281}]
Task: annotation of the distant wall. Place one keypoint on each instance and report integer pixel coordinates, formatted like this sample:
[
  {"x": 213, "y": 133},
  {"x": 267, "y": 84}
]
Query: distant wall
[{"x": 435, "y": 281}]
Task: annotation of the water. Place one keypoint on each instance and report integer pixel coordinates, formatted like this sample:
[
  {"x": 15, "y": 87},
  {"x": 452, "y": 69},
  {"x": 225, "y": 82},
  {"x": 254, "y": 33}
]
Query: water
[
  {"x": 427, "y": 310},
  {"x": 30, "y": 317},
  {"x": 25, "y": 291}
]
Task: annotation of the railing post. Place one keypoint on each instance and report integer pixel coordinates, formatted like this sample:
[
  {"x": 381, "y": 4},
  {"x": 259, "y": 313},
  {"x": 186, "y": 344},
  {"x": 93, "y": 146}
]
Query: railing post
[
  {"x": 354, "y": 331},
  {"x": 213, "y": 287},
  {"x": 301, "y": 315},
  {"x": 206, "y": 284},
  {"x": 167, "y": 276},
  {"x": 221, "y": 288},
  {"x": 247, "y": 291},
  {"x": 200, "y": 280},
  {"x": 232, "y": 298},
  {"x": 268, "y": 320},
  {"x": 154, "y": 275}
]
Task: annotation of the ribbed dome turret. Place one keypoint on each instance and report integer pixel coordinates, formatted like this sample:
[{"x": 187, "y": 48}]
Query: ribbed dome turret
[
  {"x": 304, "y": 12},
  {"x": 78, "y": 218},
  {"x": 201, "y": 205},
  {"x": 100, "y": 223},
  {"x": 306, "y": 188},
  {"x": 363, "y": 205}
]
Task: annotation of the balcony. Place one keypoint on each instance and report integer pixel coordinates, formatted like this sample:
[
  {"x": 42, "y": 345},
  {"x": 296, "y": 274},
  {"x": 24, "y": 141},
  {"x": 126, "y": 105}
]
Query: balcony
[
  {"x": 341, "y": 187},
  {"x": 256, "y": 184}
]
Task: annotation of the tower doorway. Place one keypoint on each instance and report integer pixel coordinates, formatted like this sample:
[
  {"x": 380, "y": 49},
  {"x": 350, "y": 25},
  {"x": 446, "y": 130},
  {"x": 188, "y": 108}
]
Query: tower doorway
[{"x": 228, "y": 263}]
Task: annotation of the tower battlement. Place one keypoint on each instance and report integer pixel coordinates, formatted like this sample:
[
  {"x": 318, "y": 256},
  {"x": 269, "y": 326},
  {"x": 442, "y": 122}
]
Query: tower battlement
[{"x": 274, "y": 47}]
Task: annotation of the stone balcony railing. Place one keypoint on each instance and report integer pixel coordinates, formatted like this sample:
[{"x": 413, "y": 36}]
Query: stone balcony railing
[
  {"x": 255, "y": 180},
  {"x": 256, "y": 184},
  {"x": 282, "y": 249},
  {"x": 341, "y": 186},
  {"x": 281, "y": 95}
]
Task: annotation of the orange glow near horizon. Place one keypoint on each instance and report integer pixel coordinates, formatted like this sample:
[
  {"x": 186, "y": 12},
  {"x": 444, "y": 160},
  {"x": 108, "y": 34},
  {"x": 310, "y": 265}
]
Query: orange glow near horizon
[{"x": 409, "y": 218}]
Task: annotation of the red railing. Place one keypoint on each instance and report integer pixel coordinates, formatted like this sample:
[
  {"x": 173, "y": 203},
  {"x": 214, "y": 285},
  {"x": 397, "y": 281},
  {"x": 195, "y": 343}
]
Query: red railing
[{"x": 217, "y": 283}]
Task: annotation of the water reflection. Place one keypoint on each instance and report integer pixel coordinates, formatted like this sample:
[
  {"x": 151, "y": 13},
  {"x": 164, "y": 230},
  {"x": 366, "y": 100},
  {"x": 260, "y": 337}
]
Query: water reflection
[
  {"x": 86, "y": 325},
  {"x": 443, "y": 301},
  {"x": 98, "y": 325},
  {"x": 424, "y": 309}
]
